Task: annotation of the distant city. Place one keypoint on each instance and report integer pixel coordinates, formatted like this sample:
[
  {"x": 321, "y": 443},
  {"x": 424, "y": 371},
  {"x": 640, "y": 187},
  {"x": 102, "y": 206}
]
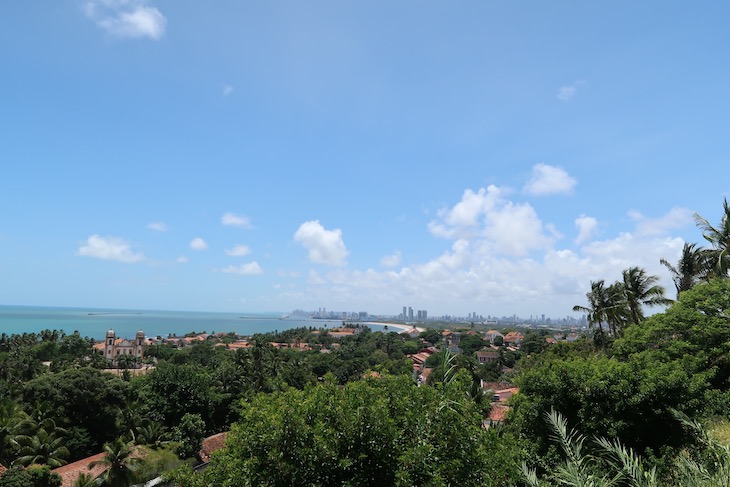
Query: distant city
[{"x": 420, "y": 316}]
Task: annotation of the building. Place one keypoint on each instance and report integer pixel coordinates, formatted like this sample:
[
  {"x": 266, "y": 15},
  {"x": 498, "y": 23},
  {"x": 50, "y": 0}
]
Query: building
[
  {"x": 116, "y": 347},
  {"x": 487, "y": 356}
]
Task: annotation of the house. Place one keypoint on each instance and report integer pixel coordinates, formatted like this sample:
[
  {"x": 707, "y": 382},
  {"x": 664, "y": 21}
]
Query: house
[
  {"x": 487, "y": 356},
  {"x": 513, "y": 338},
  {"x": 212, "y": 444},
  {"x": 491, "y": 335},
  {"x": 70, "y": 472},
  {"x": 420, "y": 358},
  {"x": 497, "y": 415}
]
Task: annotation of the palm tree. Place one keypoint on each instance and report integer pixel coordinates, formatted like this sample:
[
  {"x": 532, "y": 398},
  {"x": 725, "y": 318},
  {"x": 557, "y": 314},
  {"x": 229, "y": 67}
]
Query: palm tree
[
  {"x": 690, "y": 269},
  {"x": 641, "y": 290},
  {"x": 14, "y": 422},
  {"x": 44, "y": 447},
  {"x": 120, "y": 463},
  {"x": 719, "y": 238},
  {"x": 85, "y": 480},
  {"x": 603, "y": 307}
]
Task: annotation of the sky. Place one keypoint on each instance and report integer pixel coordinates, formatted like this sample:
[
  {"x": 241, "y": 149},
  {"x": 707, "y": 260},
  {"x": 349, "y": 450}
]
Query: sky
[{"x": 476, "y": 156}]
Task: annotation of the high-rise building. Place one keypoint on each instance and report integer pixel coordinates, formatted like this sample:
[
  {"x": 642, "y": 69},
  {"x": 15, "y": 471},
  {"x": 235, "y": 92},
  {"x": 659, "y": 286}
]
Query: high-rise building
[
  {"x": 405, "y": 316},
  {"x": 410, "y": 313}
]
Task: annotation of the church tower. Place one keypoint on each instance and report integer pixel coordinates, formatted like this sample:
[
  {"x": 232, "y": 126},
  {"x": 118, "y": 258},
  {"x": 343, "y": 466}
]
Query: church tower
[
  {"x": 139, "y": 340},
  {"x": 109, "y": 345}
]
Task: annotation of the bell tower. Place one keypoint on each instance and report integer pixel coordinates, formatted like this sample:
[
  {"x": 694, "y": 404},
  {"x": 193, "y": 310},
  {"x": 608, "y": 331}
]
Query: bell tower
[
  {"x": 109, "y": 344},
  {"x": 138, "y": 341}
]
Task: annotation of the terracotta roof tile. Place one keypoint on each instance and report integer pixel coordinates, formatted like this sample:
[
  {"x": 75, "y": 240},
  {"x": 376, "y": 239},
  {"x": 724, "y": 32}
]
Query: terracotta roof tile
[
  {"x": 69, "y": 473},
  {"x": 498, "y": 413},
  {"x": 212, "y": 444}
]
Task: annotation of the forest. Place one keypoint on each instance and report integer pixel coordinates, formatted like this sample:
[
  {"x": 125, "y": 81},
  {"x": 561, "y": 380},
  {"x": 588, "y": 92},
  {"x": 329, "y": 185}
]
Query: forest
[{"x": 641, "y": 400}]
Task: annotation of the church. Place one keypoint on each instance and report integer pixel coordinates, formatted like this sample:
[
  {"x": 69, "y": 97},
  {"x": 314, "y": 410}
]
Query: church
[{"x": 116, "y": 347}]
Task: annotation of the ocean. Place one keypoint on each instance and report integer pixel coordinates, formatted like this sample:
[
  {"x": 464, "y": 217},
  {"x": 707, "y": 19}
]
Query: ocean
[{"x": 94, "y": 322}]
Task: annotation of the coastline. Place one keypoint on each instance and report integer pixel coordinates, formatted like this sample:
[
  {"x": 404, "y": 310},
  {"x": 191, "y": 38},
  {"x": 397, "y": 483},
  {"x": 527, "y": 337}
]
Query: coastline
[{"x": 402, "y": 328}]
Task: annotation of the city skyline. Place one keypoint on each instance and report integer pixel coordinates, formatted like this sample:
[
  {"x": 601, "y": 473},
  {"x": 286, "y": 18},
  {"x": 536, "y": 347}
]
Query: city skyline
[{"x": 260, "y": 157}]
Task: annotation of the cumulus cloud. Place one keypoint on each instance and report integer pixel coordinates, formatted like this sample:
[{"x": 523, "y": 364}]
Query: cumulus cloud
[
  {"x": 587, "y": 228},
  {"x": 109, "y": 248},
  {"x": 548, "y": 179},
  {"x": 232, "y": 220},
  {"x": 505, "y": 226},
  {"x": 324, "y": 246},
  {"x": 250, "y": 269},
  {"x": 238, "y": 250},
  {"x": 674, "y": 219},
  {"x": 157, "y": 226},
  {"x": 392, "y": 260},
  {"x": 182, "y": 260},
  {"x": 127, "y": 18},
  {"x": 198, "y": 244},
  {"x": 227, "y": 90},
  {"x": 567, "y": 92}
]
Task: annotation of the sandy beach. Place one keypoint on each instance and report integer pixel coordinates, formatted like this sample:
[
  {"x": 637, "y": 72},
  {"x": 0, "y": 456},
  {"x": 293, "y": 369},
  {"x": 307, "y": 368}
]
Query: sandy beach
[{"x": 400, "y": 327}]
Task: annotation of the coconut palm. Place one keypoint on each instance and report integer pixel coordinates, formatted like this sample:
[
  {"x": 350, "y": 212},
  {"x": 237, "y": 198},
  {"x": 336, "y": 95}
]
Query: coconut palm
[
  {"x": 120, "y": 463},
  {"x": 85, "y": 480},
  {"x": 14, "y": 422},
  {"x": 691, "y": 268},
  {"x": 45, "y": 447},
  {"x": 641, "y": 289},
  {"x": 605, "y": 305},
  {"x": 719, "y": 238}
]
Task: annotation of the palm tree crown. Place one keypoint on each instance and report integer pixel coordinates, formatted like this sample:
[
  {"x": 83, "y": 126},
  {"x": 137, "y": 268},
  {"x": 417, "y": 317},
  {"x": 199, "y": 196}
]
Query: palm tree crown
[
  {"x": 691, "y": 268},
  {"x": 641, "y": 289},
  {"x": 719, "y": 238}
]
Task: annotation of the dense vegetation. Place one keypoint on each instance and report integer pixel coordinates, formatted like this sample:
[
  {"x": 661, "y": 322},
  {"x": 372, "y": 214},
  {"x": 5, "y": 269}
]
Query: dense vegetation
[{"x": 629, "y": 405}]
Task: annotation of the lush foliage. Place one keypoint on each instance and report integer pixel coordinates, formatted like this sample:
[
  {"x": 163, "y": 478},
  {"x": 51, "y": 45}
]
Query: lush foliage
[{"x": 379, "y": 431}]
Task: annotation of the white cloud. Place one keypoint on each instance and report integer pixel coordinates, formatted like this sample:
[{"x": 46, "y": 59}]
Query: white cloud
[
  {"x": 232, "y": 220},
  {"x": 548, "y": 179},
  {"x": 674, "y": 219},
  {"x": 392, "y": 260},
  {"x": 227, "y": 90},
  {"x": 567, "y": 92},
  {"x": 109, "y": 248},
  {"x": 324, "y": 246},
  {"x": 587, "y": 228},
  {"x": 250, "y": 269},
  {"x": 127, "y": 18},
  {"x": 502, "y": 225},
  {"x": 182, "y": 260},
  {"x": 198, "y": 244},
  {"x": 157, "y": 226},
  {"x": 238, "y": 251}
]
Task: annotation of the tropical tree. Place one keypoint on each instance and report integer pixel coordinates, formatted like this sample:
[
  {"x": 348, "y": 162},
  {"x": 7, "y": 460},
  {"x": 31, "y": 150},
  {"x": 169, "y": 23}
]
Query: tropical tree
[
  {"x": 640, "y": 290},
  {"x": 691, "y": 268},
  {"x": 605, "y": 305},
  {"x": 85, "y": 480},
  {"x": 14, "y": 422},
  {"x": 719, "y": 238},
  {"x": 120, "y": 464},
  {"x": 45, "y": 447},
  {"x": 582, "y": 468}
]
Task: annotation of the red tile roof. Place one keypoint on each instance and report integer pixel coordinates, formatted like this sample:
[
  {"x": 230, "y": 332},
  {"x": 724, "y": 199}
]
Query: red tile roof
[
  {"x": 212, "y": 444},
  {"x": 498, "y": 413},
  {"x": 2, "y": 469},
  {"x": 69, "y": 473}
]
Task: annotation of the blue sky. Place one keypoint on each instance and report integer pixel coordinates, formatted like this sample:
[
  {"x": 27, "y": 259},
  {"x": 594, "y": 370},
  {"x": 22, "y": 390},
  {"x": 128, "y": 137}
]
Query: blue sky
[{"x": 263, "y": 156}]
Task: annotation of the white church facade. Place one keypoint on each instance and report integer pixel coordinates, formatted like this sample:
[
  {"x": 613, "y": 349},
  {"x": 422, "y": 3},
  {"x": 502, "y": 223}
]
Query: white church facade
[{"x": 117, "y": 347}]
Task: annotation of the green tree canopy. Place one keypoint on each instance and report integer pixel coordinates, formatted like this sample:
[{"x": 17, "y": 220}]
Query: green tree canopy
[{"x": 372, "y": 432}]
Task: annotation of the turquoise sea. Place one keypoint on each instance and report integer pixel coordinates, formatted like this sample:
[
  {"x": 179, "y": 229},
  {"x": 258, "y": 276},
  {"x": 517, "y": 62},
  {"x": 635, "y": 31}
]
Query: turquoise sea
[{"x": 94, "y": 322}]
